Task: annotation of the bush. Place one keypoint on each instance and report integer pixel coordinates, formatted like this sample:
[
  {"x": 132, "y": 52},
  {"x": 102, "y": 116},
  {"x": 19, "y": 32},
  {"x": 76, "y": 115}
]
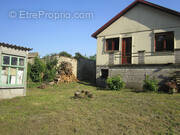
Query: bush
[
  {"x": 115, "y": 83},
  {"x": 29, "y": 72},
  {"x": 50, "y": 69},
  {"x": 150, "y": 84},
  {"x": 37, "y": 70}
]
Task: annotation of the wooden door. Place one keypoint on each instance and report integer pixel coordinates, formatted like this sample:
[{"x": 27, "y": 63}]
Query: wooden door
[{"x": 126, "y": 50}]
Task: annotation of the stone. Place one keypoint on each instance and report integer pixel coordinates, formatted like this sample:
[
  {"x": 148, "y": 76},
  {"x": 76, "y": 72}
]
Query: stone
[
  {"x": 77, "y": 94},
  {"x": 90, "y": 95},
  {"x": 51, "y": 83},
  {"x": 42, "y": 86}
]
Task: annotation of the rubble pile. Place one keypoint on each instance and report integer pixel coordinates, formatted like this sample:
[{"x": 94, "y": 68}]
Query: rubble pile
[{"x": 65, "y": 74}]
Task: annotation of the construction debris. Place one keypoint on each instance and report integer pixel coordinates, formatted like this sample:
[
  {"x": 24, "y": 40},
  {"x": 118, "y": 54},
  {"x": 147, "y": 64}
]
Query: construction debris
[
  {"x": 83, "y": 94},
  {"x": 65, "y": 74},
  {"x": 42, "y": 86}
]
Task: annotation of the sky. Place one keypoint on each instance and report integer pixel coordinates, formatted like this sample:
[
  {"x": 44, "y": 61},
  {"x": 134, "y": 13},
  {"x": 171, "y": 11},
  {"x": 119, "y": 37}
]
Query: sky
[{"x": 52, "y": 26}]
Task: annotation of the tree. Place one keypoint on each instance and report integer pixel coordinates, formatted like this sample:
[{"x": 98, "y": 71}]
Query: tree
[
  {"x": 79, "y": 55},
  {"x": 63, "y": 53},
  {"x": 92, "y": 57}
]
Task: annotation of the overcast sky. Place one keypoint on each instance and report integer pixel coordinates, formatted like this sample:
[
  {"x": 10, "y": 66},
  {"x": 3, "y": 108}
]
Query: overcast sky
[{"x": 51, "y": 26}]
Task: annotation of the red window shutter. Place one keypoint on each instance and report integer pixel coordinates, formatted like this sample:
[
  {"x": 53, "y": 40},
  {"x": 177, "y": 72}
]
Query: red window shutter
[
  {"x": 155, "y": 44},
  {"x": 113, "y": 44},
  {"x": 164, "y": 45},
  {"x": 106, "y": 47}
]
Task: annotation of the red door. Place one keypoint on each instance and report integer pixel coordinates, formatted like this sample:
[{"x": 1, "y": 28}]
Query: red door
[{"x": 126, "y": 50}]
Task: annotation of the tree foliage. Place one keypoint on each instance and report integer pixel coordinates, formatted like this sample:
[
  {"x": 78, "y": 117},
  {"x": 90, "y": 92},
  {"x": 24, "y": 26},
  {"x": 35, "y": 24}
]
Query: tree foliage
[
  {"x": 50, "y": 70},
  {"x": 37, "y": 70},
  {"x": 93, "y": 57},
  {"x": 63, "y": 53},
  {"x": 79, "y": 55}
]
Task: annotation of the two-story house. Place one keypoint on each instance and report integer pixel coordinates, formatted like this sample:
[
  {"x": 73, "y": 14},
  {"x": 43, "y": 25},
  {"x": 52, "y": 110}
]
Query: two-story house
[{"x": 141, "y": 39}]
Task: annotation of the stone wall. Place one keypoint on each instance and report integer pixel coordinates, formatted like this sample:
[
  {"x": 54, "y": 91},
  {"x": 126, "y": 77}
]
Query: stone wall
[
  {"x": 134, "y": 75},
  {"x": 70, "y": 60}
]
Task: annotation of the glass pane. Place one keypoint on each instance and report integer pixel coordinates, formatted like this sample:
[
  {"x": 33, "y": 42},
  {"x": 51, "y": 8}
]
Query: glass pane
[
  {"x": 109, "y": 43},
  {"x": 21, "y": 62},
  {"x": 12, "y": 76},
  {"x": 20, "y": 76},
  {"x": 4, "y": 75},
  {"x": 14, "y": 61},
  {"x": 6, "y": 60},
  {"x": 116, "y": 44}
]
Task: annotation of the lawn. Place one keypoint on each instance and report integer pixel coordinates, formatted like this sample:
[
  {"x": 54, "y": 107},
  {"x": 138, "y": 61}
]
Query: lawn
[{"x": 53, "y": 111}]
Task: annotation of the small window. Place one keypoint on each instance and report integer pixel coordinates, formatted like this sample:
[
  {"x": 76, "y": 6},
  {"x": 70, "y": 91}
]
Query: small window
[
  {"x": 12, "y": 76},
  {"x": 14, "y": 61},
  {"x": 112, "y": 44},
  {"x": 20, "y": 76},
  {"x": 6, "y": 60},
  {"x": 164, "y": 41},
  {"x": 21, "y": 62},
  {"x": 12, "y": 71},
  {"x": 104, "y": 73},
  {"x": 4, "y": 75}
]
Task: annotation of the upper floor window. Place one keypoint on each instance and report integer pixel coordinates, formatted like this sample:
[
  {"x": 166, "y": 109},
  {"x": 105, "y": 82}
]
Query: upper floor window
[
  {"x": 12, "y": 70},
  {"x": 164, "y": 41},
  {"x": 112, "y": 44}
]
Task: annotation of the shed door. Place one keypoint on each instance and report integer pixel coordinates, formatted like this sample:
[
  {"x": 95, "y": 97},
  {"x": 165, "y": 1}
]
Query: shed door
[{"x": 126, "y": 50}]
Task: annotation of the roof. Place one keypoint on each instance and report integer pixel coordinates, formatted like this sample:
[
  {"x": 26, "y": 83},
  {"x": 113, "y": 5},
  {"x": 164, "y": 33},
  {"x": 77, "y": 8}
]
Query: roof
[
  {"x": 164, "y": 9},
  {"x": 15, "y": 47}
]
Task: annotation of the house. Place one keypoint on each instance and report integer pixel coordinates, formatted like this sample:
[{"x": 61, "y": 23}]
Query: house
[
  {"x": 13, "y": 69},
  {"x": 143, "y": 39}
]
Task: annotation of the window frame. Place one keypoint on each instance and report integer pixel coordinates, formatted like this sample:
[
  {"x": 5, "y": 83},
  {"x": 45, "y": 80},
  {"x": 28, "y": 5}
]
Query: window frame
[
  {"x": 12, "y": 66},
  {"x": 165, "y": 42},
  {"x": 113, "y": 44}
]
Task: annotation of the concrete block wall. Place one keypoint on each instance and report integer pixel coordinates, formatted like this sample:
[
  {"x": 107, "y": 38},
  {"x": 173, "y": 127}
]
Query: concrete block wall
[
  {"x": 83, "y": 69},
  {"x": 177, "y": 55},
  {"x": 134, "y": 75},
  {"x": 12, "y": 92}
]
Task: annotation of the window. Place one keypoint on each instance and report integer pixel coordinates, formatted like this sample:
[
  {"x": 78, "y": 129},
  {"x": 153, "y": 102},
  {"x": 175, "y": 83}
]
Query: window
[
  {"x": 112, "y": 44},
  {"x": 164, "y": 41},
  {"x": 12, "y": 72}
]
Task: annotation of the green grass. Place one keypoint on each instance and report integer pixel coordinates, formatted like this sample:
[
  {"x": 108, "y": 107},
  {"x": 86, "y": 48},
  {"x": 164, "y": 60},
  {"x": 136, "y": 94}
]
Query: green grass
[{"x": 53, "y": 111}]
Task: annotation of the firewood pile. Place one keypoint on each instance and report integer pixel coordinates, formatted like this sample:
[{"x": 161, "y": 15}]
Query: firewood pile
[{"x": 65, "y": 74}]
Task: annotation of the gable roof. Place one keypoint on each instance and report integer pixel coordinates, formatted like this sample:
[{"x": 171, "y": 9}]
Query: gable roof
[
  {"x": 15, "y": 47},
  {"x": 164, "y": 9}
]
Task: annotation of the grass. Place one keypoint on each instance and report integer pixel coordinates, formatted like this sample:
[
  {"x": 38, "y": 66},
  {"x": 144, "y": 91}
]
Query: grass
[{"x": 53, "y": 111}]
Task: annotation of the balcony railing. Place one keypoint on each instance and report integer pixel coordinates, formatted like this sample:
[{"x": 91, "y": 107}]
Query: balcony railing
[{"x": 141, "y": 56}]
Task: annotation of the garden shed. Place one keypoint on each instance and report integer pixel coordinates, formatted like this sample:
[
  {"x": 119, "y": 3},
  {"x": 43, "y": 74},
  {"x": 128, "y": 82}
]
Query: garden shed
[{"x": 13, "y": 70}]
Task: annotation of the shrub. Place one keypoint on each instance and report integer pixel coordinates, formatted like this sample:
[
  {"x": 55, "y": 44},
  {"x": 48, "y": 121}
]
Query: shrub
[
  {"x": 29, "y": 72},
  {"x": 37, "y": 70},
  {"x": 115, "y": 83},
  {"x": 50, "y": 69},
  {"x": 150, "y": 84}
]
